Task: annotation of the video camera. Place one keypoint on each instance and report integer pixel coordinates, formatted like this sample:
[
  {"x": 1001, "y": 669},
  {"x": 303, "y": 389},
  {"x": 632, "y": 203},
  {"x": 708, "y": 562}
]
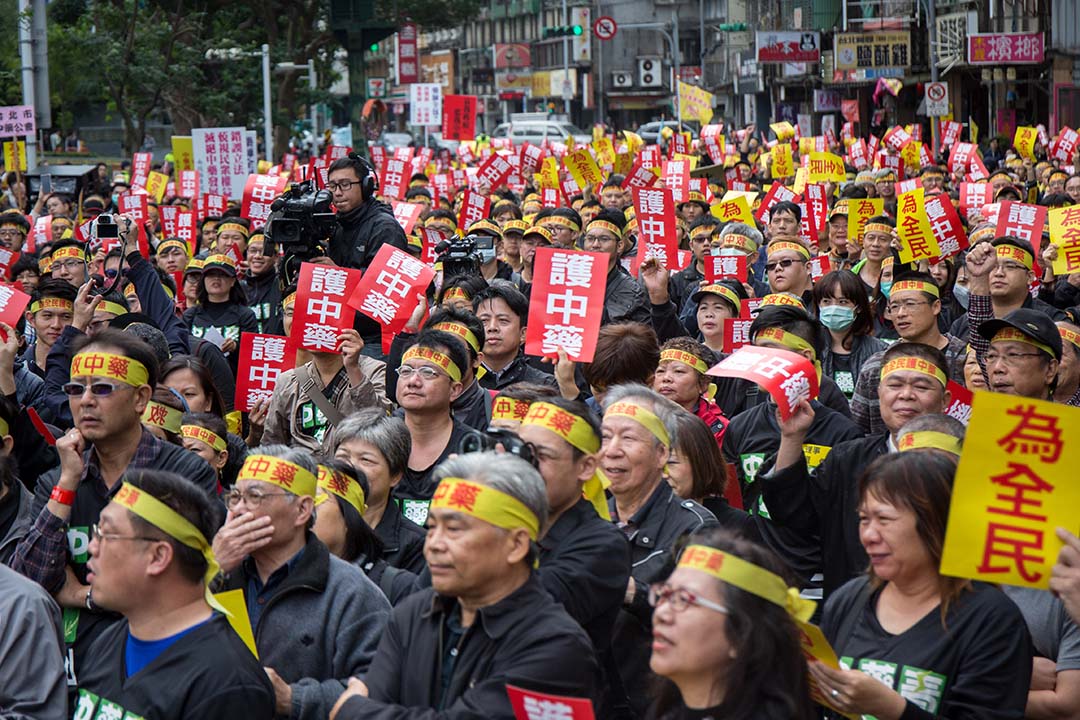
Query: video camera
[
  {"x": 301, "y": 221},
  {"x": 459, "y": 256},
  {"x": 481, "y": 441}
]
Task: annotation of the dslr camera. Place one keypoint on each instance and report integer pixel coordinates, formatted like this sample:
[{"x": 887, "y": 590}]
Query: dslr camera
[
  {"x": 460, "y": 256},
  {"x": 481, "y": 441}
]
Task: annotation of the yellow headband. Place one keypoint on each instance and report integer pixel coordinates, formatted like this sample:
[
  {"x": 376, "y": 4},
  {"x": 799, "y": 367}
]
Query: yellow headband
[
  {"x": 117, "y": 367},
  {"x": 1070, "y": 336},
  {"x": 111, "y": 307},
  {"x": 785, "y": 245},
  {"x": 51, "y": 303},
  {"x": 288, "y": 300},
  {"x": 605, "y": 225},
  {"x": 788, "y": 340},
  {"x": 162, "y": 416},
  {"x": 456, "y": 293},
  {"x": 561, "y": 222},
  {"x": 286, "y": 475},
  {"x": 44, "y": 264},
  {"x": 1011, "y": 252},
  {"x": 684, "y": 357},
  {"x": 914, "y": 364},
  {"x": 456, "y": 328},
  {"x": 505, "y": 408},
  {"x": 194, "y": 265},
  {"x": 173, "y": 524},
  {"x": 781, "y": 298},
  {"x": 4, "y": 429},
  {"x": 1009, "y": 334},
  {"x": 923, "y": 439},
  {"x": 515, "y": 225},
  {"x": 746, "y": 576},
  {"x": 887, "y": 261},
  {"x": 701, "y": 231},
  {"x": 541, "y": 231},
  {"x": 338, "y": 483},
  {"x": 739, "y": 242},
  {"x": 219, "y": 259},
  {"x": 172, "y": 244},
  {"x": 724, "y": 292},
  {"x": 235, "y": 227},
  {"x": 576, "y": 431},
  {"x": 878, "y": 228},
  {"x": 433, "y": 356},
  {"x": 68, "y": 251},
  {"x": 17, "y": 226},
  {"x": 485, "y": 503},
  {"x": 643, "y": 417},
  {"x": 978, "y": 236},
  {"x": 197, "y": 432},
  {"x": 916, "y": 286}
]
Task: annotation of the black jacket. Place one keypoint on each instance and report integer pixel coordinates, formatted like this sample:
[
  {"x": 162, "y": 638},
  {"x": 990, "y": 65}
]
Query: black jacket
[
  {"x": 473, "y": 407},
  {"x": 526, "y": 639},
  {"x": 403, "y": 540},
  {"x": 624, "y": 298},
  {"x": 229, "y": 319},
  {"x": 264, "y": 299},
  {"x": 827, "y": 503},
  {"x": 519, "y": 370},
  {"x": 737, "y": 395}
]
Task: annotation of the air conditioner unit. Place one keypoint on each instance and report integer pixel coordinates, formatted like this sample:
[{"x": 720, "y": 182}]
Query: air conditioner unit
[
  {"x": 650, "y": 72},
  {"x": 622, "y": 79}
]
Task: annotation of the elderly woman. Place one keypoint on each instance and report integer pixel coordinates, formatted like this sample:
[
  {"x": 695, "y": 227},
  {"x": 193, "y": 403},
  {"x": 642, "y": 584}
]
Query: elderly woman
[
  {"x": 724, "y": 638},
  {"x": 920, "y": 644}
]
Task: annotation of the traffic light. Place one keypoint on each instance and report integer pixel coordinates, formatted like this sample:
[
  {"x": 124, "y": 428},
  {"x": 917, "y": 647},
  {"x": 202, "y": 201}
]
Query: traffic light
[
  {"x": 374, "y": 48},
  {"x": 563, "y": 31},
  {"x": 732, "y": 27}
]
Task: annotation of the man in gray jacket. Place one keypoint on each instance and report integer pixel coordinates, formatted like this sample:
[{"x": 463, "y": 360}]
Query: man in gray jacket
[
  {"x": 317, "y": 619},
  {"x": 31, "y": 651}
]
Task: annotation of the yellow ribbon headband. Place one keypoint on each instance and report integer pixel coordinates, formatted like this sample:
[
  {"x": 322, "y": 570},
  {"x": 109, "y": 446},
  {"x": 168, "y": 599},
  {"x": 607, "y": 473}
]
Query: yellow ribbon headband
[
  {"x": 781, "y": 299},
  {"x": 162, "y": 416},
  {"x": 788, "y": 340},
  {"x": 288, "y": 301},
  {"x": 111, "y": 307},
  {"x": 1011, "y": 252},
  {"x": 568, "y": 426},
  {"x": 923, "y": 439},
  {"x": 456, "y": 293},
  {"x": 749, "y": 577},
  {"x": 505, "y": 408},
  {"x": 485, "y": 503},
  {"x": 916, "y": 286},
  {"x": 433, "y": 356},
  {"x": 643, "y": 417},
  {"x": 338, "y": 483},
  {"x": 724, "y": 292},
  {"x": 116, "y": 367},
  {"x": 68, "y": 251},
  {"x": 51, "y": 303},
  {"x": 605, "y": 225},
  {"x": 233, "y": 227},
  {"x": 286, "y": 475},
  {"x": 1070, "y": 336},
  {"x": 173, "y": 524},
  {"x": 197, "y": 432},
  {"x": 685, "y": 358},
  {"x": 783, "y": 245},
  {"x": 914, "y": 364},
  {"x": 877, "y": 228},
  {"x": 738, "y": 242},
  {"x": 1009, "y": 334},
  {"x": 559, "y": 221},
  {"x": 166, "y": 245},
  {"x": 456, "y": 328},
  {"x": 219, "y": 259}
]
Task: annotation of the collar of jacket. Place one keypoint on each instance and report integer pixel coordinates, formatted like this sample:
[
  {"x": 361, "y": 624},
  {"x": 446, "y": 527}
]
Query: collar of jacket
[
  {"x": 469, "y": 396},
  {"x": 354, "y": 216},
  {"x": 498, "y": 619},
  {"x": 312, "y": 572},
  {"x": 575, "y": 516}
]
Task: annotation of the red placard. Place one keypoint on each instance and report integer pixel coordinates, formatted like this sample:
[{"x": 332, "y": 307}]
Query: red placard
[
  {"x": 945, "y": 224},
  {"x": 185, "y": 230},
  {"x": 1064, "y": 146},
  {"x": 7, "y": 259},
  {"x": 14, "y": 301},
  {"x": 960, "y": 399},
  {"x": 214, "y": 205},
  {"x": 896, "y": 138},
  {"x": 859, "y": 154},
  {"x": 40, "y": 233},
  {"x": 819, "y": 266},
  {"x": 567, "y": 303},
  {"x": 654, "y": 209},
  {"x": 1023, "y": 221},
  {"x": 748, "y": 308},
  {"x": 950, "y": 132},
  {"x": 168, "y": 214},
  {"x": 736, "y": 333},
  {"x": 960, "y": 156},
  {"x": 140, "y": 169},
  {"x": 721, "y": 267},
  {"x": 406, "y": 214},
  {"x": 977, "y": 168},
  {"x": 530, "y": 705},
  {"x": 134, "y": 206},
  {"x": 259, "y": 192},
  {"x": 338, "y": 151},
  {"x": 650, "y": 156},
  {"x": 394, "y": 180},
  {"x": 818, "y": 206},
  {"x": 233, "y": 253},
  {"x": 492, "y": 173},
  {"x": 474, "y": 206},
  {"x": 388, "y": 291},
  {"x": 807, "y": 232},
  {"x": 459, "y": 117},
  {"x": 639, "y": 176},
  {"x": 677, "y": 179},
  {"x": 788, "y": 377},
  {"x": 430, "y": 239},
  {"x": 529, "y": 159},
  {"x": 188, "y": 186},
  {"x": 262, "y": 359},
  {"x": 777, "y": 193},
  {"x": 181, "y": 299},
  {"x": 321, "y": 312},
  {"x": 973, "y": 196},
  {"x": 550, "y": 198}
]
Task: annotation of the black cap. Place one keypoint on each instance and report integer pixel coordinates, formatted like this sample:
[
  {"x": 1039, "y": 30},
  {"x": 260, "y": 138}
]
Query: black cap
[{"x": 1034, "y": 324}]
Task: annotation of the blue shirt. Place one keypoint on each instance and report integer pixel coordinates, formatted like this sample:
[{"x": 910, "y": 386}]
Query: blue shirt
[
  {"x": 140, "y": 653},
  {"x": 257, "y": 594}
]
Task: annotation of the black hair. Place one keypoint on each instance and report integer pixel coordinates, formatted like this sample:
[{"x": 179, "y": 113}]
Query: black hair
[
  {"x": 612, "y": 216},
  {"x": 794, "y": 320},
  {"x": 54, "y": 288},
  {"x": 509, "y": 294},
  {"x": 361, "y": 541},
  {"x": 445, "y": 342},
  {"x": 463, "y": 317},
  {"x": 788, "y": 207},
  {"x": 25, "y": 262},
  {"x": 202, "y": 374}
]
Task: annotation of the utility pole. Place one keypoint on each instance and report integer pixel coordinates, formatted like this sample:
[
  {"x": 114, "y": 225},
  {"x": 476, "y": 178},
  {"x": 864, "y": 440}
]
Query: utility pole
[
  {"x": 566, "y": 87},
  {"x": 26, "y": 57},
  {"x": 268, "y": 123},
  {"x": 931, "y": 22}
]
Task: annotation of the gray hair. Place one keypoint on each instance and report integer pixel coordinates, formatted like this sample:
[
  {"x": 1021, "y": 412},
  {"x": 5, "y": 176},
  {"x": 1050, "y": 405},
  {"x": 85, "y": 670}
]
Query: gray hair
[
  {"x": 388, "y": 434},
  {"x": 503, "y": 472},
  {"x": 296, "y": 456},
  {"x": 660, "y": 406},
  {"x": 934, "y": 422},
  {"x": 743, "y": 229}
]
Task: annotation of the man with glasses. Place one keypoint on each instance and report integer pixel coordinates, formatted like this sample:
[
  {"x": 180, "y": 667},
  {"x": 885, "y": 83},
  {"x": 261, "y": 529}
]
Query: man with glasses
[
  {"x": 112, "y": 378},
  {"x": 317, "y": 619},
  {"x": 624, "y": 298},
  {"x": 172, "y": 655},
  {"x": 787, "y": 268},
  {"x": 914, "y": 306},
  {"x": 68, "y": 262},
  {"x": 1024, "y": 354},
  {"x": 14, "y": 228}
]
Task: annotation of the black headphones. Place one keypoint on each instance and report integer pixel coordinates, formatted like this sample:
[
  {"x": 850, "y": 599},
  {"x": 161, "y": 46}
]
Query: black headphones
[{"x": 369, "y": 180}]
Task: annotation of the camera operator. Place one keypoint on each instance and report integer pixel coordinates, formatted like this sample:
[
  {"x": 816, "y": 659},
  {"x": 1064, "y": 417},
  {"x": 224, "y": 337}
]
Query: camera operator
[{"x": 364, "y": 222}]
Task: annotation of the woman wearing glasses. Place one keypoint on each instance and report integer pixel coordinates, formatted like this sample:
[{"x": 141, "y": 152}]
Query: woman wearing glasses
[{"x": 723, "y": 637}]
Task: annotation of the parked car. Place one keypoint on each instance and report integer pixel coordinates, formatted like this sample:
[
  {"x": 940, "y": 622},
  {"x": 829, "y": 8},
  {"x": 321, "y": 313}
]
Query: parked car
[
  {"x": 650, "y": 132},
  {"x": 536, "y": 131},
  {"x": 394, "y": 140}
]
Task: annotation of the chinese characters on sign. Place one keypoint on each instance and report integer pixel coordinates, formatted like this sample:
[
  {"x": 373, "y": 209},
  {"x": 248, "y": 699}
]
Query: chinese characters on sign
[
  {"x": 1005, "y": 48},
  {"x": 654, "y": 209},
  {"x": 221, "y": 159},
  {"x": 320, "y": 312},
  {"x": 16, "y": 121},
  {"x": 388, "y": 291},
  {"x": 567, "y": 303},
  {"x": 262, "y": 359},
  {"x": 259, "y": 193},
  {"x": 408, "y": 56},
  {"x": 787, "y": 376},
  {"x": 425, "y": 104}
]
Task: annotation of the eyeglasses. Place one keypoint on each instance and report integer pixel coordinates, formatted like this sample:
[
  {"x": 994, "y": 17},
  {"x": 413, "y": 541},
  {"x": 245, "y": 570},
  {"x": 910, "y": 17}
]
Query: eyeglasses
[
  {"x": 782, "y": 264},
  {"x": 69, "y": 264},
  {"x": 251, "y": 498},
  {"x": 1010, "y": 267},
  {"x": 601, "y": 239},
  {"x": 97, "y": 389},
  {"x": 1011, "y": 359},
  {"x": 10, "y": 233},
  {"x": 426, "y": 372},
  {"x": 343, "y": 185},
  {"x": 906, "y": 306},
  {"x": 680, "y": 599},
  {"x": 96, "y": 534}
]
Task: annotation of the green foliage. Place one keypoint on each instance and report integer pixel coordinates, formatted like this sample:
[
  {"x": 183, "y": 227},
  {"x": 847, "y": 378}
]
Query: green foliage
[{"x": 431, "y": 14}]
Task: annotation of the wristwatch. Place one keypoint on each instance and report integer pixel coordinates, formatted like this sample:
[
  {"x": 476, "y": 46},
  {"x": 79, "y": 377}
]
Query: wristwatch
[{"x": 90, "y": 604}]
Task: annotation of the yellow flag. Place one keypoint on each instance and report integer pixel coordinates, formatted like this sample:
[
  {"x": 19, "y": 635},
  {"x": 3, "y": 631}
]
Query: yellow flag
[
  {"x": 183, "y": 153},
  {"x": 695, "y": 103},
  {"x": 15, "y": 156},
  {"x": 1016, "y": 483},
  {"x": 583, "y": 168},
  {"x": 973, "y": 130},
  {"x": 155, "y": 185},
  {"x": 549, "y": 173},
  {"x": 605, "y": 151},
  {"x": 917, "y": 241}
]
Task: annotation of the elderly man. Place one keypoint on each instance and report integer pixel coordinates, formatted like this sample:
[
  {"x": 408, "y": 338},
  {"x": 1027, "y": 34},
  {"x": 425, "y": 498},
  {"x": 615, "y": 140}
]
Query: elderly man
[
  {"x": 171, "y": 656},
  {"x": 316, "y": 618},
  {"x": 449, "y": 651},
  {"x": 636, "y": 447}
]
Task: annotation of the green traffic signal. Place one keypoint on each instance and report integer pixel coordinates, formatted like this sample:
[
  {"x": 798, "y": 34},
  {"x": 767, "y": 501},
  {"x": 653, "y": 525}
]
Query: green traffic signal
[
  {"x": 374, "y": 47},
  {"x": 577, "y": 29}
]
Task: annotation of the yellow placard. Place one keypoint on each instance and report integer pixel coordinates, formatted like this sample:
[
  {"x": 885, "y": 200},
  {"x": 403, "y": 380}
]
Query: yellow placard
[
  {"x": 155, "y": 185},
  {"x": 910, "y": 155},
  {"x": 695, "y": 103},
  {"x": 583, "y": 168},
  {"x": 605, "y": 151},
  {"x": 634, "y": 142},
  {"x": 736, "y": 209},
  {"x": 783, "y": 166},
  {"x": 233, "y": 601},
  {"x": 784, "y": 130},
  {"x": 815, "y": 646},
  {"x": 1015, "y": 485},
  {"x": 815, "y": 454},
  {"x": 917, "y": 241},
  {"x": 624, "y": 163},
  {"x": 825, "y": 167},
  {"x": 15, "y": 156},
  {"x": 183, "y": 153},
  {"x": 1024, "y": 142},
  {"x": 859, "y": 211},
  {"x": 690, "y": 160},
  {"x": 549, "y": 173},
  {"x": 800, "y": 181},
  {"x": 973, "y": 130},
  {"x": 1064, "y": 226}
]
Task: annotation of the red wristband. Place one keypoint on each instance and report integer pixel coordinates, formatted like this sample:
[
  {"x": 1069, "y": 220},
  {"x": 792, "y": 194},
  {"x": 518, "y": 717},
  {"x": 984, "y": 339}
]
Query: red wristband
[{"x": 62, "y": 496}]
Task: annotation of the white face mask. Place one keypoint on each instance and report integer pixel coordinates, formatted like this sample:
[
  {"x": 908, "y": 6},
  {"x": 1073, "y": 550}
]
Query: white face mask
[{"x": 727, "y": 252}]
